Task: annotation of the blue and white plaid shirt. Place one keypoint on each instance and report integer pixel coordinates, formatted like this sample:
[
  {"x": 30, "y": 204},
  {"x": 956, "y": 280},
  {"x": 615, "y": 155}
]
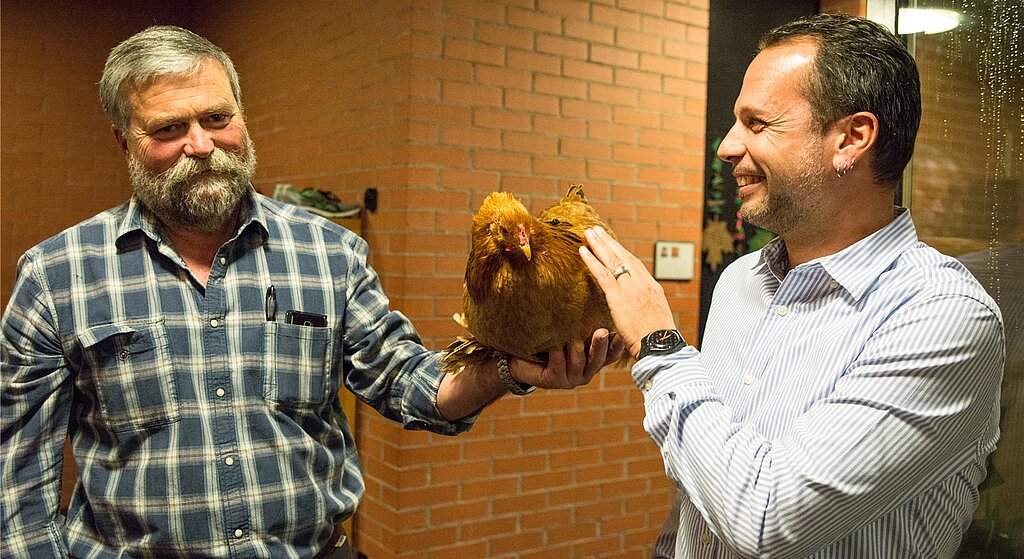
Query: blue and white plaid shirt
[
  {"x": 844, "y": 409},
  {"x": 200, "y": 428}
]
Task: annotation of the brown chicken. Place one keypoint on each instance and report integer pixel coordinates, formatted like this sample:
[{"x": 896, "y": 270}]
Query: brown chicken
[{"x": 527, "y": 290}]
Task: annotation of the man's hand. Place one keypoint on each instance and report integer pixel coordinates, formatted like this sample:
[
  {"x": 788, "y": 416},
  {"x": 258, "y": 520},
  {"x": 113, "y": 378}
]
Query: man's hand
[
  {"x": 636, "y": 300},
  {"x": 467, "y": 392},
  {"x": 570, "y": 367}
]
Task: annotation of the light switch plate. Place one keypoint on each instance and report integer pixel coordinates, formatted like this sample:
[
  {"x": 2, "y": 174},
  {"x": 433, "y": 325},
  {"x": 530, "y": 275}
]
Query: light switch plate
[{"x": 673, "y": 260}]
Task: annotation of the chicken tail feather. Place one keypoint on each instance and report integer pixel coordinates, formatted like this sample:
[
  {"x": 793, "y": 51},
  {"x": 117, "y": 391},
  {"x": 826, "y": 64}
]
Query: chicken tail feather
[{"x": 465, "y": 352}]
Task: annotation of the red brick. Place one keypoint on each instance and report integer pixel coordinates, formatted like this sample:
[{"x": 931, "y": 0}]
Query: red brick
[
  {"x": 509, "y": 120},
  {"x": 560, "y": 166},
  {"x": 537, "y": 21},
  {"x": 560, "y": 127},
  {"x": 471, "y": 137},
  {"x": 586, "y": 149},
  {"x": 504, "y": 35},
  {"x": 571, "y": 9},
  {"x": 641, "y": 80},
  {"x": 561, "y": 46},
  {"x": 531, "y": 102},
  {"x": 504, "y": 77},
  {"x": 500, "y": 161},
  {"x": 587, "y": 71},
  {"x": 474, "y": 52},
  {"x": 474, "y": 10},
  {"x": 468, "y": 94},
  {"x": 534, "y": 62},
  {"x": 523, "y": 142},
  {"x": 441, "y": 26},
  {"x": 614, "y": 56},
  {"x": 562, "y": 87},
  {"x": 613, "y": 16},
  {"x": 589, "y": 31}
]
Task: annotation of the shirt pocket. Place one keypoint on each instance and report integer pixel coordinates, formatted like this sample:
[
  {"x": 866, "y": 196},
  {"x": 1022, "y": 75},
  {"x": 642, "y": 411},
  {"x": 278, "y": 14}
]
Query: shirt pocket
[
  {"x": 130, "y": 366},
  {"x": 297, "y": 365}
]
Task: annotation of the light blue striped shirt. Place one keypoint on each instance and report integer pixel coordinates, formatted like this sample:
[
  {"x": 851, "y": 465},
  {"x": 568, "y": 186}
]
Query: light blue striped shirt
[{"x": 842, "y": 409}]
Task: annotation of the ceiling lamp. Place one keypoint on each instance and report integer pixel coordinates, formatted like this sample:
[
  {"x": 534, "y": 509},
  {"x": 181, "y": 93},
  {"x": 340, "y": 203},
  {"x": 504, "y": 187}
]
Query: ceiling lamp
[{"x": 926, "y": 20}]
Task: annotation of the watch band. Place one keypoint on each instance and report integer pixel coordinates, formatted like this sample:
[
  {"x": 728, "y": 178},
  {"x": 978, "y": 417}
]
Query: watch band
[{"x": 513, "y": 385}]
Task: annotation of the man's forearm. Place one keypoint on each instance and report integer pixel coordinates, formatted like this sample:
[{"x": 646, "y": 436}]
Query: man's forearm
[{"x": 467, "y": 392}]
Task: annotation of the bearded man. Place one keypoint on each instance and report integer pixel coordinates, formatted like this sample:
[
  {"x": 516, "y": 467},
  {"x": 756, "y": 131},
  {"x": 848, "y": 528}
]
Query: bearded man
[{"x": 203, "y": 415}]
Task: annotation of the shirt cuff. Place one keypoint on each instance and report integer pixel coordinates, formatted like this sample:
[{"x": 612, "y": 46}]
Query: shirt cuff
[{"x": 678, "y": 372}]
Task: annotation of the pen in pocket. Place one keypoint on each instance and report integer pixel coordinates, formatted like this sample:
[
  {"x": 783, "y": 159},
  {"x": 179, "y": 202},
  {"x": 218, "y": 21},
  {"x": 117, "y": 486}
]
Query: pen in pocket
[{"x": 271, "y": 304}]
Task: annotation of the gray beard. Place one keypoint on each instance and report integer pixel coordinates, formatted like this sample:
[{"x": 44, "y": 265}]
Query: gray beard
[{"x": 185, "y": 197}]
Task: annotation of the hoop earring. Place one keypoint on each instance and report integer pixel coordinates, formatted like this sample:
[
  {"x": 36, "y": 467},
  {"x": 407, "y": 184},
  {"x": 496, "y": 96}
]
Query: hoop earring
[{"x": 845, "y": 167}]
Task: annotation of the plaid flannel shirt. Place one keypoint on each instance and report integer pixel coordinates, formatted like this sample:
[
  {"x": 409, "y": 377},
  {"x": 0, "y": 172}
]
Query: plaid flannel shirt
[{"x": 199, "y": 426}]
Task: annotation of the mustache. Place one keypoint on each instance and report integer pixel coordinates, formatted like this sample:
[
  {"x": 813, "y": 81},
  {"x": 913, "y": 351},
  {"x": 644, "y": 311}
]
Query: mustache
[{"x": 187, "y": 167}]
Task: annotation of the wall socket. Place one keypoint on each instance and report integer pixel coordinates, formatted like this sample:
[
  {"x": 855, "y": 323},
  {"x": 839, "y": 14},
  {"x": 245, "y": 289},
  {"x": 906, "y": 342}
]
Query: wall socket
[{"x": 673, "y": 260}]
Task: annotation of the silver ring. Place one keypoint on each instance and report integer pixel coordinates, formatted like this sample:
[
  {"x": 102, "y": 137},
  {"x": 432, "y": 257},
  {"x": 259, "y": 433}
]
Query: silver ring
[{"x": 622, "y": 269}]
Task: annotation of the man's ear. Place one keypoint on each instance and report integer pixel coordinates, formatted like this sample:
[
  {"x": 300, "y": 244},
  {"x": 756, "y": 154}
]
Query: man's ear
[
  {"x": 121, "y": 139},
  {"x": 857, "y": 135}
]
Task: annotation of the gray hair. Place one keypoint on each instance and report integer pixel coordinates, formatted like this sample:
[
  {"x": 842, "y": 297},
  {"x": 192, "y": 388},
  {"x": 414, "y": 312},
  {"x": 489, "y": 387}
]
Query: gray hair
[{"x": 160, "y": 50}]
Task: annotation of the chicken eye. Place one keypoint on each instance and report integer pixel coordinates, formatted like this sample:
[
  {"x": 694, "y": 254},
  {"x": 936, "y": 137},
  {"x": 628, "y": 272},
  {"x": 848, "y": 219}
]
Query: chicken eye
[{"x": 503, "y": 230}]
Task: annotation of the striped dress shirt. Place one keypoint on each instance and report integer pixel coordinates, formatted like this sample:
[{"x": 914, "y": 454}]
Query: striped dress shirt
[
  {"x": 200, "y": 428},
  {"x": 844, "y": 408}
]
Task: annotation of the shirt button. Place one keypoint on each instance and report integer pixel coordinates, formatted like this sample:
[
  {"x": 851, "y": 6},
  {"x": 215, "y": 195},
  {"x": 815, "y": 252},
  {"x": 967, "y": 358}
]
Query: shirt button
[
  {"x": 783, "y": 310},
  {"x": 648, "y": 384},
  {"x": 748, "y": 379},
  {"x": 214, "y": 323},
  {"x": 229, "y": 461},
  {"x": 238, "y": 533},
  {"x": 833, "y": 284},
  {"x": 223, "y": 260},
  {"x": 219, "y": 392},
  {"x": 123, "y": 355},
  {"x": 705, "y": 538}
]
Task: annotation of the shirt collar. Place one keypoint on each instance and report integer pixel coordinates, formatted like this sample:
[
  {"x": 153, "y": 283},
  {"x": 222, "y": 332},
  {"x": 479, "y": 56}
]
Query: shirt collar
[
  {"x": 140, "y": 220},
  {"x": 857, "y": 266}
]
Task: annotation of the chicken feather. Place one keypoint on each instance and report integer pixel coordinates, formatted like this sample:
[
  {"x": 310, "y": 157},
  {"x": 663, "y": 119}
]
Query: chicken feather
[{"x": 527, "y": 291}]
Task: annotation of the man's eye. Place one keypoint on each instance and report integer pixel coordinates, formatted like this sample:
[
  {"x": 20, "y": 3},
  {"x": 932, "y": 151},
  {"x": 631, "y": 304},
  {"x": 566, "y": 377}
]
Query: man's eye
[
  {"x": 217, "y": 120},
  {"x": 167, "y": 132},
  {"x": 756, "y": 125}
]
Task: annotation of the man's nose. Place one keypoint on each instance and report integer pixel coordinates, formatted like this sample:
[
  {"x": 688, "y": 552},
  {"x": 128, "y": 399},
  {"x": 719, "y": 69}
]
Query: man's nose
[
  {"x": 198, "y": 142},
  {"x": 731, "y": 148}
]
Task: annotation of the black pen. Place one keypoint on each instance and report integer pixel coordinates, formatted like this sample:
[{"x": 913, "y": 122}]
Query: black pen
[{"x": 271, "y": 304}]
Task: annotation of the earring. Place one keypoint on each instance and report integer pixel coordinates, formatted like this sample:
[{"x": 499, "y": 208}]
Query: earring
[{"x": 845, "y": 167}]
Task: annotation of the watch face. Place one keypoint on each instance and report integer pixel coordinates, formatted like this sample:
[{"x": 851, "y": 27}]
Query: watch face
[
  {"x": 661, "y": 342},
  {"x": 664, "y": 339}
]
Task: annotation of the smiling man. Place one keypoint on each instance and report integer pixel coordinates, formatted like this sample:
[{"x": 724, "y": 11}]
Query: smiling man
[
  {"x": 846, "y": 394},
  {"x": 204, "y": 422}
]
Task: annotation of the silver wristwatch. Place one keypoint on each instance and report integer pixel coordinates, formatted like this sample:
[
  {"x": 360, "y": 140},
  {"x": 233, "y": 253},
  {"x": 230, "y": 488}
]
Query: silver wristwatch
[{"x": 513, "y": 385}]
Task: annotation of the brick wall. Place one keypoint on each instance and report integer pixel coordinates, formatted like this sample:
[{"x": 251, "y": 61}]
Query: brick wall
[
  {"x": 435, "y": 104},
  {"x": 60, "y": 162}
]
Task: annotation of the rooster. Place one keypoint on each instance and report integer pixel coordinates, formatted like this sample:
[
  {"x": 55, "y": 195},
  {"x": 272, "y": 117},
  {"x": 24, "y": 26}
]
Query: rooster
[{"x": 527, "y": 290}]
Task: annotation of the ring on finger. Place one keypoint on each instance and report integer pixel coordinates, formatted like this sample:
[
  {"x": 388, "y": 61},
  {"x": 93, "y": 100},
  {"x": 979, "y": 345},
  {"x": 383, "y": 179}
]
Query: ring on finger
[{"x": 622, "y": 269}]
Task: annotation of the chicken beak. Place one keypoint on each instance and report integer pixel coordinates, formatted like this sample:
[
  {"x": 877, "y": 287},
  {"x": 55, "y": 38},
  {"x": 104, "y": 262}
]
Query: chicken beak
[{"x": 524, "y": 242}]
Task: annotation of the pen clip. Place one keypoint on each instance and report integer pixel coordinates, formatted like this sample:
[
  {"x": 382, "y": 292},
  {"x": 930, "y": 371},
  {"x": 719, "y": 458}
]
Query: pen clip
[{"x": 271, "y": 301}]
